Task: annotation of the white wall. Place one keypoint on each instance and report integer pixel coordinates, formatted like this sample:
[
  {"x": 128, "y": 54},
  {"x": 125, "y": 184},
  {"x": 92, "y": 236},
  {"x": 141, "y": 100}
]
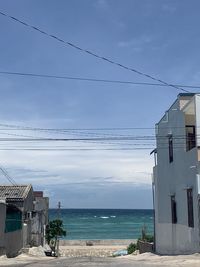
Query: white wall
[{"x": 173, "y": 179}]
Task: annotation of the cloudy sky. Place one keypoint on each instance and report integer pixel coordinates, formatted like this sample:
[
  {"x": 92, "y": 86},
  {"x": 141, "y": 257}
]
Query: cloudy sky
[{"x": 160, "y": 38}]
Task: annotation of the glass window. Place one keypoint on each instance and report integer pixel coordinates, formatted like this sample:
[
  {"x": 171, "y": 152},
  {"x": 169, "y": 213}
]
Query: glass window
[
  {"x": 190, "y": 208},
  {"x": 190, "y": 137},
  {"x": 170, "y": 143},
  {"x": 173, "y": 209}
]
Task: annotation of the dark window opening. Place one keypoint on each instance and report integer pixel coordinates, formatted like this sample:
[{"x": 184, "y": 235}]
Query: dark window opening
[
  {"x": 170, "y": 142},
  {"x": 190, "y": 137},
  {"x": 173, "y": 210},
  {"x": 190, "y": 208},
  {"x": 13, "y": 219}
]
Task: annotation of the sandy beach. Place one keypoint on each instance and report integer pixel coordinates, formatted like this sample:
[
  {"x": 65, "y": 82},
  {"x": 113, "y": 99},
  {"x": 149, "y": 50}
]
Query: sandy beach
[{"x": 92, "y": 248}]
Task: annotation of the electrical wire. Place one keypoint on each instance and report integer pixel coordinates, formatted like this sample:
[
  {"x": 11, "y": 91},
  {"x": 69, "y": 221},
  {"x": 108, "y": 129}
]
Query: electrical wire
[
  {"x": 7, "y": 176},
  {"x": 105, "y": 59},
  {"x": 13, "y": 127},
  {"x": 36, "y": 75}
]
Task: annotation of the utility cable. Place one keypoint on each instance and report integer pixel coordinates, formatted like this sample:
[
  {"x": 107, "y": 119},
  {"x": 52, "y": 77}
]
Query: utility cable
[
  {"x": 91, "y": 53},
  {"x": 7, "y": 176},
  {"x": 36, "y": 75},
  {"x": 13, "y": 127}
]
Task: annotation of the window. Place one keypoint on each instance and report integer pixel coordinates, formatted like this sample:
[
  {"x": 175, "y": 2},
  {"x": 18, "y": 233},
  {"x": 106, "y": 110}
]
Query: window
[
  {"x": 13, "y": 220},
  {"x": 190, "y": 208},
  {"x": 173, "y": 210},
  {"x": 170, "y": 143},
  {"x": 190, "y": 137}
]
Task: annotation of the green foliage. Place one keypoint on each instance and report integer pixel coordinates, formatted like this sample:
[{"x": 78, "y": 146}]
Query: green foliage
[
  {"x": 148, "y": 238},
  {"x": 145, "y": 236},
  {"x": 54, "y": 231},
  {"x": 131, "y": 248}
]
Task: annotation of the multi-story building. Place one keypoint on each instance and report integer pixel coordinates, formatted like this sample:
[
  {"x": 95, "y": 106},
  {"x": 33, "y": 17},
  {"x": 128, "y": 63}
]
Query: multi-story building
[{"x": 176, "y": 177}]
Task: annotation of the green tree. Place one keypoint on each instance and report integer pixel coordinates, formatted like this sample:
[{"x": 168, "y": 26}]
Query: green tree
[{"x": 53, "y": 232}]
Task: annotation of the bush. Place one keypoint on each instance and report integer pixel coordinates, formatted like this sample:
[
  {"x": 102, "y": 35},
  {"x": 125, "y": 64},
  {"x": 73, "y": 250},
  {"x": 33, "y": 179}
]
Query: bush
[
  {"x": 131, "y": 248},
  {"x": 145, "y": 236},
  {"x": 149, "y": 238}
]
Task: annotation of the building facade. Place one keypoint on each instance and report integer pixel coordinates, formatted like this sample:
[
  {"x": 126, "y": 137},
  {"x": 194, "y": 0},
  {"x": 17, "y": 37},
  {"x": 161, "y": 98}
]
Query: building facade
[
  {"x": 24, "y": 215},
  {"x": 176, "y": 178},
  {"x": 39, "y": 218}
]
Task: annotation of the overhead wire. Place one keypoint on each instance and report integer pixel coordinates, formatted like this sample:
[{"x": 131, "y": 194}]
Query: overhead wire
[
  {"x": 91, "y": 53},
  {"x": 21, "y": 127},
  {"x": 7, "y": 176},
  {"x": 36, "y": 75}
]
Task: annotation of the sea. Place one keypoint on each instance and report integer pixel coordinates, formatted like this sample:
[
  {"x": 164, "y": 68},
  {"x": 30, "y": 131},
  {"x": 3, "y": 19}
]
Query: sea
[{"x": 98, "y": 224}]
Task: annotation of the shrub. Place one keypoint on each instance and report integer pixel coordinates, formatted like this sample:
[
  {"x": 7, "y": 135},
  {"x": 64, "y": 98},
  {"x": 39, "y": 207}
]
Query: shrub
[
  {"x": 149, "y": 238},
  {"x": 53, "y": 232},
  {"x": 131, "y": 248},
  {"x": 145, "y": 236}
]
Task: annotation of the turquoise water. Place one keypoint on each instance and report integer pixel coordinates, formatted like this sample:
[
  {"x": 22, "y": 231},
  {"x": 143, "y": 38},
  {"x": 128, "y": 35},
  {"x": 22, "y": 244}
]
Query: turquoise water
[{"x": 104, "y": 223}]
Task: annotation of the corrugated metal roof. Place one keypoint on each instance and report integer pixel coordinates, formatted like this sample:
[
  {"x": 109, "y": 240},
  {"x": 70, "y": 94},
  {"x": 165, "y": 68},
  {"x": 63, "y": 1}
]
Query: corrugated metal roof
[{"x": 19, "y": 192}]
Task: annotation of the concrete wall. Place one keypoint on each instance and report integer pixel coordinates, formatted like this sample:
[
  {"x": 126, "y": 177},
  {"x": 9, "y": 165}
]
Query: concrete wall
[
  {"x": 173, "y": 179},
  {"x": 13, "y": 243},
  {"x": 39, "y": 220},
  {"x": 2, "y": 227},
  {"x": 197, "y": 107}
]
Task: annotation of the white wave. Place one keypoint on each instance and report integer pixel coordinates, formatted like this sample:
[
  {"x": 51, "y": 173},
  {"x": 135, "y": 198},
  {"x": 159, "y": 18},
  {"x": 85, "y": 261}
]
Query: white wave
[
  {"x": 104, "y": 217},
  {"x": 112, "y": 216}
]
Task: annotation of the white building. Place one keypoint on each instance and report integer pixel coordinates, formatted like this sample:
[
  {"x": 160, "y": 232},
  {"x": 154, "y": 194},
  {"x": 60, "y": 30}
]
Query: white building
[{"x": 176, "y": 178}]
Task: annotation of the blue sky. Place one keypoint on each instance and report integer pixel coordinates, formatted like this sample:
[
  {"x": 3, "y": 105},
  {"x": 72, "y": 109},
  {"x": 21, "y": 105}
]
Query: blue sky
[{"x": 160, "y": 38}]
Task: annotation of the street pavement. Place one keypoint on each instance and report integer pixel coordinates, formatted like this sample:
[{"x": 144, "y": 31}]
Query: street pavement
[{"x": 99, "y": 262}]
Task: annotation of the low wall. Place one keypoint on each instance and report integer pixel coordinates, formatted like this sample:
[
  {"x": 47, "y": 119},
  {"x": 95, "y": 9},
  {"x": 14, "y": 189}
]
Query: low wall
[
  {"x": 104, "y": 242},
  {"x": 145, "y": 247},
  {"x": 89, "y": 251}
]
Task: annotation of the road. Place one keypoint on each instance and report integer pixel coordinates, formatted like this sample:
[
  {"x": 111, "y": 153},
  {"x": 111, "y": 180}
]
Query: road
[{"x": 101, "y": 262}]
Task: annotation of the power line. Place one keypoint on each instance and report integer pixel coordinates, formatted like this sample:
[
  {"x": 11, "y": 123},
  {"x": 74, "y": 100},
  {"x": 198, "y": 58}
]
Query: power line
[
  {"x": 128, "y": 138},
  {"x": 78, "y": 149},
  {"x": 91, "y": 53},
  {"x": 13, "y": 127},
  {"x": 88, "y": 149},
  {"x": 7, "y": 176},
  {"x": 36, "y": 75},
  {"x": 98, "y": 137}
]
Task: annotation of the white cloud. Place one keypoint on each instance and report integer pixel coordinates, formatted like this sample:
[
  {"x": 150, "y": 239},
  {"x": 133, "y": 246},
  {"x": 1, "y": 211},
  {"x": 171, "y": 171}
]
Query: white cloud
[
  {"x": 102, "y": 4},
  {"x": 78, "y": 170},
  {"x": 137, "y": 44},
  {"x": 169, "y": 8}
]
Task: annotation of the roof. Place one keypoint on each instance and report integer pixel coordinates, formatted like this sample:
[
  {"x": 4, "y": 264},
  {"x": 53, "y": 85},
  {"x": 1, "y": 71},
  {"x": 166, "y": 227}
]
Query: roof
[
  {"x": 14, "y": 192},
  {"x": 187, "y": 94},
  {"x": 38, "y": 193}
]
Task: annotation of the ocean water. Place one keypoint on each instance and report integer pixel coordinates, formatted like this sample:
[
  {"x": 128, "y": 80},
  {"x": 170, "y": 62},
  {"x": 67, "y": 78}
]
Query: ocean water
[{"x": 104, "y": 223}]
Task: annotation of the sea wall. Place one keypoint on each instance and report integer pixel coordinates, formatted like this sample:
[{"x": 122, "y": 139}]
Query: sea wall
[
  {"x": 89, "y": 251},
  {"x": 104, "y": 242}
]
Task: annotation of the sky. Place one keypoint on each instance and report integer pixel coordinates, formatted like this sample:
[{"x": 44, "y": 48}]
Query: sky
[{"x": 159, "y": 38}]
